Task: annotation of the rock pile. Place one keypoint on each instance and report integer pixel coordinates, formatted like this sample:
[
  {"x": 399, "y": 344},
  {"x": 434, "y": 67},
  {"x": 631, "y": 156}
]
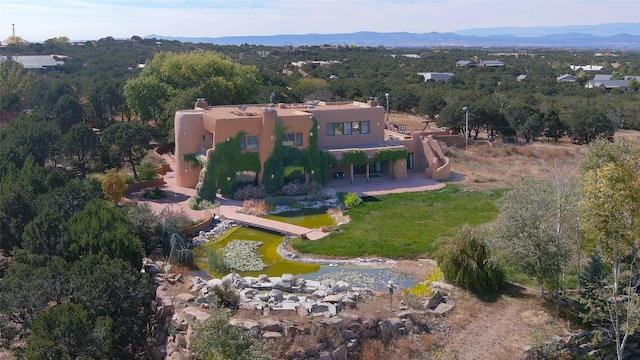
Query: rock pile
[{"x": 328, "y": 332}]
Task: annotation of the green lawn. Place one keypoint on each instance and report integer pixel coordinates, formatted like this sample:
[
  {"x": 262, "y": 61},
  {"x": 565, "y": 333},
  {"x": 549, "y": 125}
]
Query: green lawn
[{"x": 405, "y": 225}]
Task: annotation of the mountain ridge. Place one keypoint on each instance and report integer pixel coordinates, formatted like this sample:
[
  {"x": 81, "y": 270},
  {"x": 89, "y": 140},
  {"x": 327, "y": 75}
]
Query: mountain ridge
[{"x": 570, "y": 40}]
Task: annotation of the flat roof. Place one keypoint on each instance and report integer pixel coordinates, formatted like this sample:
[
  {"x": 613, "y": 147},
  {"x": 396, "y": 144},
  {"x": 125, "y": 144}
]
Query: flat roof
[{"x": 310, "y": 107}]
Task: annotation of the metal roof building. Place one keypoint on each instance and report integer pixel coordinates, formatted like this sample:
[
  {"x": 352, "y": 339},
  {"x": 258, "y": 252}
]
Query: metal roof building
[{"x": 34, "y": 61}]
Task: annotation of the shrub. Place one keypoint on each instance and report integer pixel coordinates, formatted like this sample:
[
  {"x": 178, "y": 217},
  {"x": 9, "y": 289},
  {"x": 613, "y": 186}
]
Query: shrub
[
  {"x": 217, "y": 339},
  {"x": 198, "y": 203},
  {"x": 155, "y": 193},
  {"x": 216, "y": 261},
  {"x": 272, "y": 202},
  {"x": 146, "y": 171},
  {"x": 255, "y": 207},
  {"x": 293, "y": 188},
  {"x": 249, "y": 192},
  {"x": 224, "y": 296},
  {"x": 465, "y": 261},
  {"x": 351, "y": 200}
]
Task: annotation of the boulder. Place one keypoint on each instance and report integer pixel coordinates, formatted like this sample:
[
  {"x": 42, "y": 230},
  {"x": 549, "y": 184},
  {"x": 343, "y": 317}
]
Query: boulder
[
  {"x": 385, "y": 329},
  {"x": 339, "y": 353},
  {"x": 196, "y": 315},
  {"x": 434, "y": 300},
  {"x": 271, "y": 335},
  {"x": 335, "y": 298},
  {"x": 276, "y": 294},
  {"x": 268, "y": 324},
  {"x": 186, "y": 297}
]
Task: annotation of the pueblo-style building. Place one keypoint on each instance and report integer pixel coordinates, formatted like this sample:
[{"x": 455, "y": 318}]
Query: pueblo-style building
[{"x": 342, "y": 127}]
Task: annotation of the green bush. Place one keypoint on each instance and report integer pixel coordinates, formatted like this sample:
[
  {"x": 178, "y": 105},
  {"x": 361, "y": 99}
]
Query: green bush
[
  {"x": 465, "y": 261},
  {"x": 197, "y": 203},
  {"x": 146, "y": 171},
  {"x": 224, "y": 296},
  {"x": 155, "y": 193},
  {"x": 351, "y": 200},
  {"x": 217, "y": 339},
  {"x": 280, "y": 201},
  {"x": 216, "y": 261}
]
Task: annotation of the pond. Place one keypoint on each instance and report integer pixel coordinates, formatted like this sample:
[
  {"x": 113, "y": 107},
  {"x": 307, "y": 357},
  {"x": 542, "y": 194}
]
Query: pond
[
  {"x": 312, "y": 218},
  {"x": 360, "y": 276}
]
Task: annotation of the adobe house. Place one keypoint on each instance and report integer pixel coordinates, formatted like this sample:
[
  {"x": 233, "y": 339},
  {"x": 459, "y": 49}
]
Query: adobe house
[{"x": 342, "y": 127}]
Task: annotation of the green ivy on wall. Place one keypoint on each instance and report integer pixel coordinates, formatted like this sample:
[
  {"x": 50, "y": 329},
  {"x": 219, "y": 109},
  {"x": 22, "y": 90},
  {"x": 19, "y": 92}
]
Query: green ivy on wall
[
  {"x": 273, "y": 176},
  {"x": 390, "y": 155},
  {"x": 355, "y": 157},
  {"x": 193, "y": 160}
]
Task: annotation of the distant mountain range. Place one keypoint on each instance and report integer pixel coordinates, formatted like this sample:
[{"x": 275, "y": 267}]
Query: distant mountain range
[{"x": 622, "y": 36}]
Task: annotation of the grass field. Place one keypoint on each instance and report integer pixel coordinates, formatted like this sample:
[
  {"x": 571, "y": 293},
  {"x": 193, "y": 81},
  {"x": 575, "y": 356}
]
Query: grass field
[{"x": 404, "y": 225}]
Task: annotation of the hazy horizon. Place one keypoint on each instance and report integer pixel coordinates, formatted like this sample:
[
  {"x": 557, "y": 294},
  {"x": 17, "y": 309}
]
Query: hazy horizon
[{"x": 39, "y": 20}]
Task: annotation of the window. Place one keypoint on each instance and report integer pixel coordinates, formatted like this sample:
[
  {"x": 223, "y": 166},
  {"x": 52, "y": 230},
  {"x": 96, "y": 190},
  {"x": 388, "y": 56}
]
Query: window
[
  {"x": 338, "y": 128},
  {"x": 287, "y": 139},
  {"x": 252, "y": 142},
  {"x": 243, "y": 143},
  {"x": 365, "y": 127},
  {"x": 292, "y": 139},
  {"x": 348, "y": 128},
  {"x": 330, "y": 131},
  {"x": 355, "y": 127}
]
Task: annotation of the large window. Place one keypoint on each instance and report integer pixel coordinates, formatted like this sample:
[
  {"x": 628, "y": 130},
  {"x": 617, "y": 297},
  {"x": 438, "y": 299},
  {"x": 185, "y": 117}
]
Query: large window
[
  {"x": 348, "y": 128},
  {"x": 292, "y": 139},
  {"x": 249, "y": 143}
]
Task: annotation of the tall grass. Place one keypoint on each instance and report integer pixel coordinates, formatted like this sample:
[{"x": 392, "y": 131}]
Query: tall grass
[{"x": 405, "y": 225}]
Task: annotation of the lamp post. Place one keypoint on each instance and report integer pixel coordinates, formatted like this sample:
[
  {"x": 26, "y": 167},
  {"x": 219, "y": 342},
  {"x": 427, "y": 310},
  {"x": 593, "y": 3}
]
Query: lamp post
[
  {"x": 466, "y": 129},
  {"x": 390, "y": 286},
  {"x": 386, "y": 95}
]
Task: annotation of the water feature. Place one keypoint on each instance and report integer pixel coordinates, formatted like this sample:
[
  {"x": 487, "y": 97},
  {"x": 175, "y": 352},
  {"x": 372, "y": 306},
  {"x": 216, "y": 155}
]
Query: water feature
[
  {"x": 360, "y": 276},
  {"x": 312, "y": 218}
]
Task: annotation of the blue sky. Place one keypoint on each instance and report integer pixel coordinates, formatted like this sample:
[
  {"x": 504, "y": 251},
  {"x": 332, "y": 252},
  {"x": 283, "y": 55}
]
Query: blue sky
[{"x": 38, "y": 20}]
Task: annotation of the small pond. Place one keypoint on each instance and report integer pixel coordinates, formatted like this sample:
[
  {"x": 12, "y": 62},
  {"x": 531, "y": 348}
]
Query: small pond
[
  {"x": 360, "y": 276},
  {"x": 312, "y": 218}
]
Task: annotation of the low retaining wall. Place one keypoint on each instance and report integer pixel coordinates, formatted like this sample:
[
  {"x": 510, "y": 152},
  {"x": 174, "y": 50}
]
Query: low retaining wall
[
  {"x": 206, "y": 222},
  {"x": 144, "y": 184}
]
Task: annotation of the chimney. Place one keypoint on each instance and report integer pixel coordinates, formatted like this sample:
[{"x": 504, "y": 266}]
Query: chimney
[
  {"x": 201, "y": 103},
  {"x": 373, "y": 102}
]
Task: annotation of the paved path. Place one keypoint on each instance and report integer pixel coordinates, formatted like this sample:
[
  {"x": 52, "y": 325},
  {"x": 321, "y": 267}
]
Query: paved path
[{"x": 178, "y": 199}]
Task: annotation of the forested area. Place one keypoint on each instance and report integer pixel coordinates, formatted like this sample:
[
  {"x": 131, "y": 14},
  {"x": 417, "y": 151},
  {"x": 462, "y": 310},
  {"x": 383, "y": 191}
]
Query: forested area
[{"x": 74, "y": 286}]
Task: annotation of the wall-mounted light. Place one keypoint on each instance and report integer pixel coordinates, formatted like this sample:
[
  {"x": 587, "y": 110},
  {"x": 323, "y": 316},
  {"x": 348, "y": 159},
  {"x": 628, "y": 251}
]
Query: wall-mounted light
[
  {"x": 311, "y": 133},
  {"x": 185, "y": 170},
  {"x": 271, "y": 137},
  {"x": 272, "y": 176},
  {"x": 228, "y": 178}
]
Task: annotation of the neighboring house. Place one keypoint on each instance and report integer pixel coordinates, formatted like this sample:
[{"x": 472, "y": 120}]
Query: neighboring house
[
  {"x": 586, "y": 67},
  {"x": 315, "y": 63},
  {"x": 36, "y": 62},
  {"x": 342, "y": 127},
  {"x": 491, "y": 63},
  {"x": 435, "y": 76},
  {"x": 608, "y": 84},
  {"x": 600, "y": 77},
  {"x": 466, "y": 63},
  {"x": 629, "y": 77},
  {"x": 566, "y": 78},
  {"x": 412, "y": 56},
  {"x": 521, "y": 77}
]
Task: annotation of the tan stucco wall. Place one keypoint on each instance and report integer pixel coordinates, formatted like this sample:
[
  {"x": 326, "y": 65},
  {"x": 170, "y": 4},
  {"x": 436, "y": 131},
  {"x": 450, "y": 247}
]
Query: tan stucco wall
[
  {"x": 188, "y": 126},
  {"x": 200, "y": 129}
]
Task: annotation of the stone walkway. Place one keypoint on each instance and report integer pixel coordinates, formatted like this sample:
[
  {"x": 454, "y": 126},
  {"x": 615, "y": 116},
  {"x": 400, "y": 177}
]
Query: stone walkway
[{"x": 178, "y": 199}]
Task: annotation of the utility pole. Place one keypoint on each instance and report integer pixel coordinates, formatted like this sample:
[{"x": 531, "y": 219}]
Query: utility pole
[{"x": 387, "y": 96}]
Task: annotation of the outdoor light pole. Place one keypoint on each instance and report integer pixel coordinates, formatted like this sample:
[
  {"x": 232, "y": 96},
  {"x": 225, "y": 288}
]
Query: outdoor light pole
[
  {"x": 386, "y": 95},
  {"x": 466, "y": 129},
  {"x": 390, "y": 286}
]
